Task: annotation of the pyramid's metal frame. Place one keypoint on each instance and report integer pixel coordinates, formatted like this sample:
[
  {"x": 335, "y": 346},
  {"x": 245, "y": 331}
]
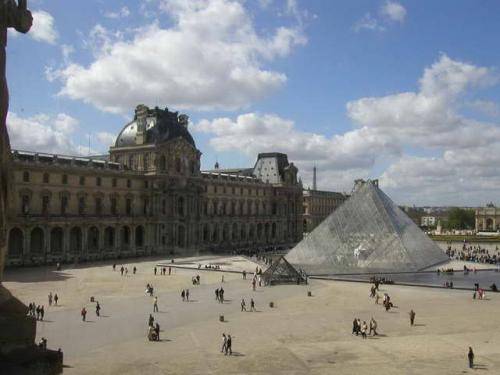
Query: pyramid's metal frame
[
  {"x": 282, "y": 272},
  {"x": 368, "y": 233}
]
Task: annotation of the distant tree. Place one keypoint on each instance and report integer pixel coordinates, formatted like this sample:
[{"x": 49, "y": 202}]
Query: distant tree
[{"x": 459, "y": 218}]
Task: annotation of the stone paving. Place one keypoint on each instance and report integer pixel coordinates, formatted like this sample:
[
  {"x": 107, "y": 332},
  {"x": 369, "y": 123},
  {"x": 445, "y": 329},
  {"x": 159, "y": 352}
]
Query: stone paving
[{"x": 301, "y": 335}]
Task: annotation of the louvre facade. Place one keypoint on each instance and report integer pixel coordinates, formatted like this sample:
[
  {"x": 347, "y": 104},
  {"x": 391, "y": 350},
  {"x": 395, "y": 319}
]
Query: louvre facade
[{"x": 148, "y": 196}]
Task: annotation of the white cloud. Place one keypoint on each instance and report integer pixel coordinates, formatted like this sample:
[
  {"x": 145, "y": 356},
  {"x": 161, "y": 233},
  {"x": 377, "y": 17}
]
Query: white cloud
[
  {"x": 393, "y": 11},
  {"x": 486, "y": 107},
  {"x": 106, "y": 139},
  {"x": 44, "y": 133},
  {"x": 368, "y": 22},
  {"x": 389, "y": 12},
  {"x": 464, "y": 168},
  {"x": 123, "y": 12},
  {"x": 43, "y": 28},
  {"x": 212, "y": 57}
]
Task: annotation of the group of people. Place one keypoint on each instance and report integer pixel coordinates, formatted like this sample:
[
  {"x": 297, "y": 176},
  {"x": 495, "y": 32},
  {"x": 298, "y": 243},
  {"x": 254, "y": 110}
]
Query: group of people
[
  {"x": 153, "y": 329},
  {"x": 36, "y": 311},
  {"x": 149, "y": 289},
  {"x": 244, "y": 305},
  {"x": 474, "y": 253},
  {"x": 196, "y": 280},
  {"x": 163, "y": 271},
  {"x": 124, "y": 270},
  {"x": 83, "y": 311},
  {"x": 185, "y": 295},
  {"x": 227, "y": 343},
  {"x": 359, "y": 328},
  {"x": 54, "y": 298},
  {"x": 219, "y": 295}
]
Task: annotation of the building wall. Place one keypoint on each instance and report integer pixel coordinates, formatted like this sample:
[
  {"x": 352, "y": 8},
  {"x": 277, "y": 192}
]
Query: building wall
[
  {"x": 318, "y": 205},
  {"x": 72, "y": 209}
]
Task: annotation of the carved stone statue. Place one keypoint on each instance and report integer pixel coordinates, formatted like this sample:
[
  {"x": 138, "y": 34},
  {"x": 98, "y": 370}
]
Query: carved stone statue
[
  {"x": 19, "y": 17},
  {"x": 18, "y": 352}
]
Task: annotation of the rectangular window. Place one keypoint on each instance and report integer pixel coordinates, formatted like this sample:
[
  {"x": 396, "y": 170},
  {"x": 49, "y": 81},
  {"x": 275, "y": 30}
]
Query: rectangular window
[
  {"x": 128, "y": 207},
  {"x": 129, "y": 183},
  {"x": 26, "y": 176},
  {"x": 25, "y": 204},
  {"x": 98, "y": 181},
  {"x": 46, "y": 178},
  {"x": 98, "y": 206},
  {"x": 64, "y": 205},
  {"x": 64, "y": 179},
  {"x": 113, "y": 206},
  {"x": 145, "y": 206},
  {"x": 113, "y": 182},
  {"x": 82, "y": 180},
  {"x": 81, "y": 206},
  {"x": 45, "y": 205}
]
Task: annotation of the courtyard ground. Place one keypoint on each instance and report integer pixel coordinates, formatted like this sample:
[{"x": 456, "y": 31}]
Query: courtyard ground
[{"x": 300, "y": 335}]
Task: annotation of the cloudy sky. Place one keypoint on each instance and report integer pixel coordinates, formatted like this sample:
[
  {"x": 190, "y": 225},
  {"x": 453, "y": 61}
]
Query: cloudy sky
[{"x": 404, "y": 91}]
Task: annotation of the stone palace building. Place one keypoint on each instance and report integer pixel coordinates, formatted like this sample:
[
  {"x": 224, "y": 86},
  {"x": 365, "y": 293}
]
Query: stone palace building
[{"x": 148, "y": 196}]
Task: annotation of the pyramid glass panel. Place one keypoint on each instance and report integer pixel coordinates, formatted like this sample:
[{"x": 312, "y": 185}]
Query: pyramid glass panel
[{"x": 368, "y": 233}]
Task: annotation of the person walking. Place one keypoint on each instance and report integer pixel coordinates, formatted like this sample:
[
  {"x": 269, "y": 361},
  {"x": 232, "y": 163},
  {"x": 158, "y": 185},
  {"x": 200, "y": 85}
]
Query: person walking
[
  {"x": 121, "y": 270},
  {"x": 157, "y": 331},
  {"x": 470, "y": 356},
  {"x": 155, "y": 305},
  {"x": 252, "y": 305},
  {"x": 373, "y": 327},
  {"x": 56, "y": 298},
  {"x": 155, "y": 271},
  {"x": 224, "y": 343},
  {"x": 221, "y": 295},
  {"x": 42, "y": 312},
  {"x": 244, "y": 275},
  {"x": 38, "y": 312},
  {"x": 50, "y": 299},
  {"x": 134, "y": 270},
  {"x": 412, "y": 317},
  {"x": 169, "y": 270},
  {"x": 364, "y": 328},
  {"x": 217, "y": 294},
  {"x": 183, "y": 295},
  {"x": 83, "y": 313},
  {"x": 187, "y": 295},
  {"x": 97, "y": 309},
  {"x": 151, "y": 320},
  {"x": 243, "y": 305},
  {"x": 355, "y": 326},
  {"x": 229, "y": 344}
]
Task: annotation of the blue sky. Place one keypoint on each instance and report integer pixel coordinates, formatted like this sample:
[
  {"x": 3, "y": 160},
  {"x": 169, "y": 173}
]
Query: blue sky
[{"x": 404, "y": 91}]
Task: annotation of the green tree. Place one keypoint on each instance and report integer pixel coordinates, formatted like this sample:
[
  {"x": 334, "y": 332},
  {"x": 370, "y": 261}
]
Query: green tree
[{"x": 459, "y": 218}]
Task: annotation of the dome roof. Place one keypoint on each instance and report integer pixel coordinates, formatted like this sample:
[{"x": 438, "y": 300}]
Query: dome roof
[{"x": 159, "y": 126}]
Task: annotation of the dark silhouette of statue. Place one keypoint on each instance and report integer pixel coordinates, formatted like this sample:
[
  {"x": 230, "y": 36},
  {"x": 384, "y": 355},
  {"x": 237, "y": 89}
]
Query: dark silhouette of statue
[
  {"x": 18, "y": 352},
  {"x": 19, "y": 17}
]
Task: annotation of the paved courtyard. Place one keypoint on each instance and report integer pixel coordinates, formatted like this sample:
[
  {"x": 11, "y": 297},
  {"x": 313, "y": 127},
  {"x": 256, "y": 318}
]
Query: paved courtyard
[{"x": 301, "y": 335}]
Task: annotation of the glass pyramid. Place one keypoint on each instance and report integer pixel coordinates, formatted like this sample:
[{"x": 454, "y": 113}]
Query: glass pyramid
[
  {"x": 282, "y": 272},
  {"x": 368, "y": 233}
]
